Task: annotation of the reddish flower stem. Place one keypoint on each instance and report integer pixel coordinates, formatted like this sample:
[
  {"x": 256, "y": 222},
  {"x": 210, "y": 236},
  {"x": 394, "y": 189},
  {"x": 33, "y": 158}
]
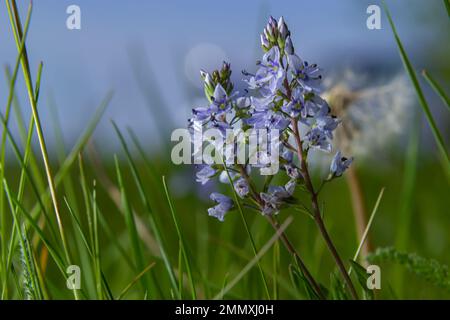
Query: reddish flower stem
[{"x": 316, "y": 210}]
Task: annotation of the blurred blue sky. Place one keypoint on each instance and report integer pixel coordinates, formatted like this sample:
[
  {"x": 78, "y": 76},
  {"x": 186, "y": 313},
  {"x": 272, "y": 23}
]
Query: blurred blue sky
[{"x": 151, "y": 50}]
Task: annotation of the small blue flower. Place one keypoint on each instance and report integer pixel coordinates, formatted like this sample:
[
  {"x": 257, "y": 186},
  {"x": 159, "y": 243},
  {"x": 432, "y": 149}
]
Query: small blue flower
[
  {"x": 291, "y": 169},
  {"x": 339, "y": 164},
  {"x": 224, "y": 204},
  {"x": 201, "y": 114},
  {"x": 275, "y": 198},
  {"x": 220, "y": 100},
  {"x": 241, "y": 187},
  {"x": 269, "y": 120},
  {"x": 314, "y": 105},
  {"x": 270, "y": 75},
  {"x": 305, "y": 73},
  {"x": 327, "y": 124},
  {"x": 205, "y": 173},
  {"x": 243, "y": 102},
  {"x": 295, "y": 105},
  {"x": 222, "y": 126},
  {"x": 317, "y": 139},
  {"x": 216, "y": 110}
]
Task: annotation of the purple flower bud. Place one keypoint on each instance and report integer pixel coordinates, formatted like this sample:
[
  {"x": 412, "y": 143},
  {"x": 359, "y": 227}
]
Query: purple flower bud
[
  {"x": 289, "y": 47},
  {"x": 203, "y": 74},
  {"x": 272, "y": 22},
  {"x": 209, "y": 81},
  {"x": 267, "y": 34},
  {"x": 264, "y": 41},
  {"x": 282, "y": 28}
]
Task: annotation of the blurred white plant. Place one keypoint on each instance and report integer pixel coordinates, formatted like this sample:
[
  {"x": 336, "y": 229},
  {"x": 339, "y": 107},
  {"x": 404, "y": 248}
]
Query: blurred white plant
[{"x": 373, "y": 116}]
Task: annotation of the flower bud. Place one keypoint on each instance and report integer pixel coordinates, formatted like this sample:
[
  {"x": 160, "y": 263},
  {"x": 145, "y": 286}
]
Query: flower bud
[
  {"x": 288, "y": 47},
  {"x": 264, "y": 41},
  {"x": 203, "y": 74},
  {"x": 282, "y": 28},
  {"x": 268, "y": 32},
  {"x": 209, "y": 81},
  {"x": 272, "y": 22}
]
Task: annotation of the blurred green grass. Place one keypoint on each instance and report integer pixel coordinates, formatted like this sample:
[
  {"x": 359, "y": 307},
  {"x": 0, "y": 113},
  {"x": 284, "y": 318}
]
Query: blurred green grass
[{"x": 220, "y": 250}]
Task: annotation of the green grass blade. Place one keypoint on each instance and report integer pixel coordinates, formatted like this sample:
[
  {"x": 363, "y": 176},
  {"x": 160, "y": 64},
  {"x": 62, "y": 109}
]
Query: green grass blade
[
  {"x": 447, "y": 6},
  {"x": 181, "y": 240},
  {"x": 20, "y": 158},
  {"x": 153, "y": 225},
  {"x": 437, "y": 88},
  {"x": 136, "y": 279},
  {"x": 15, "y": 19},
  {"x": 96, "y": 244},
  {"x": 406, "y": 210},
  {"x": 51, "y": 248},
  {"x": 80, "y": 144},
  {"x": 369, "y": 224},
  {"x": 86, "y": 245},
  {"x": 252, "y": 241},
  {"x": 12, "y": 82},
  {"x": 255, "y": 259},
  {"x": 131, "y": 225},
  {"x": 412, "y": 74},
  {"x": 33, "y": 290},
  {"x": 366, "y": 231}
]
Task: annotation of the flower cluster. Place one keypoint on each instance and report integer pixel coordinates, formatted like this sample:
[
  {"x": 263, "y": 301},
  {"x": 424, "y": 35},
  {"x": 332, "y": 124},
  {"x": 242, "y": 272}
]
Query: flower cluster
[{"x": 282, "y": 94}]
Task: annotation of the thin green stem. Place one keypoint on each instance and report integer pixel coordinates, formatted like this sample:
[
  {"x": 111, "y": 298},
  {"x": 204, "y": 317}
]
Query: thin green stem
[
  {"x": 17, "y": 30},
  {"x": 420, "y": 95},
  {"x": 247, "y": 229}
]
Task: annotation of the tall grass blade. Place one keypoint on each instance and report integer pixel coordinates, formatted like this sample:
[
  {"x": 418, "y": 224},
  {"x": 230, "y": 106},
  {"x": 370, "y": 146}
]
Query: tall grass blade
[
  {"x": 12, "y": 82},
  {"x": 447, "y": 7},
  {"x": 252, "y": 241},
  {"x": 369, "y": 224},
  {"x": 181, "y": 240},
  {"x": 437, "y": 88},
  {"x": 412, "y": 74},
  {"x": 136, "y": 279},
  {"x": 15, "y": 19},
  {"x": 131, "y": 225},
  {"x": 255, "y": 260},
  {"x": 153, "y": 225}
]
